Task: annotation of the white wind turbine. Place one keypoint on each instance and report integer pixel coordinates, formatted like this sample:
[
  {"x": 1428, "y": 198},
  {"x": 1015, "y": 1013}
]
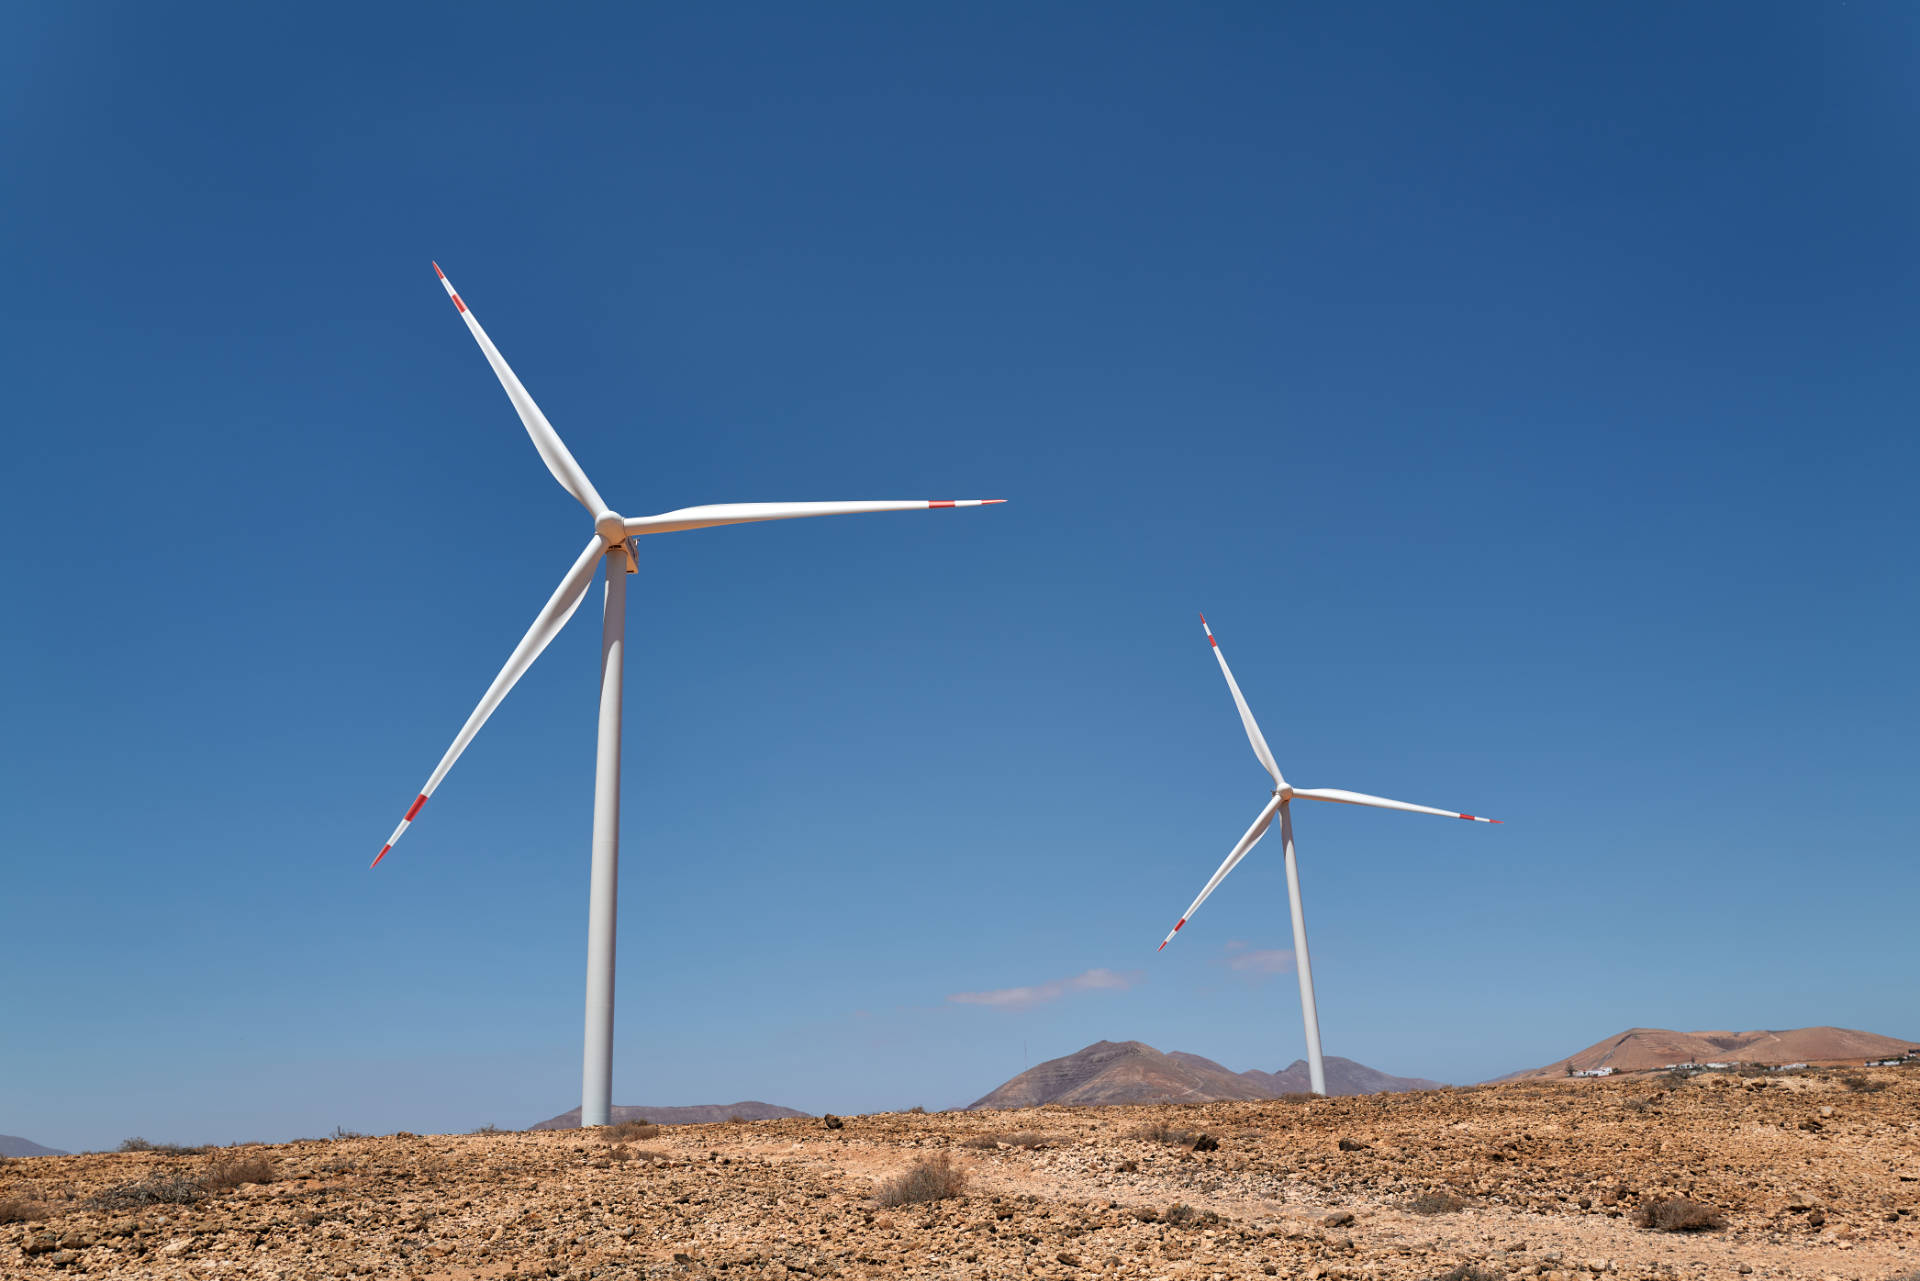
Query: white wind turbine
[
  {"x": 615, "y": 541},
  {"x": 1283, "y": 794}
]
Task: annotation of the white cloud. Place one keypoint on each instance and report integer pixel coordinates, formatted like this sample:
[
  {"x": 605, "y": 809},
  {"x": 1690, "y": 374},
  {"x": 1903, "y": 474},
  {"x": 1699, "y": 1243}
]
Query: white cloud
[
  {"x": 1021, "y": 998},
  {"x": 1272, "y": 960}
]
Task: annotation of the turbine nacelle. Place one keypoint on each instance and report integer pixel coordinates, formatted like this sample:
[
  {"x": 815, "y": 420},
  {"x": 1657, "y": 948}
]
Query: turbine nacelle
[{"x": 611, "y": 527}]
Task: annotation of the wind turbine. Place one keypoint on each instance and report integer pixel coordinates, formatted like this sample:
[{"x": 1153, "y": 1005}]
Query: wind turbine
[
  {"x": 615, "y": 542},
  {"x": 1284, "y": 794}
]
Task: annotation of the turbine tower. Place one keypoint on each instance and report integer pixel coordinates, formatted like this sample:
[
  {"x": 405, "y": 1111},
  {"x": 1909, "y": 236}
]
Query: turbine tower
[
  {"x": 1283, "y": 795},
  {"x": 615, "y": 544}
]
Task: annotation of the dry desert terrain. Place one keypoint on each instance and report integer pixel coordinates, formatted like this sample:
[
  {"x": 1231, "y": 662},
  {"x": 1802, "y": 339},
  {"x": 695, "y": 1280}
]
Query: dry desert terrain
[{"x": 1810, "y": 1176}]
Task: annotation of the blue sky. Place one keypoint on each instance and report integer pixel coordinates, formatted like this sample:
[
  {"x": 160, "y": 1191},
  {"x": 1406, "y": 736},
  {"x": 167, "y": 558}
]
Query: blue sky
[{"x": 1526, "y": 396}]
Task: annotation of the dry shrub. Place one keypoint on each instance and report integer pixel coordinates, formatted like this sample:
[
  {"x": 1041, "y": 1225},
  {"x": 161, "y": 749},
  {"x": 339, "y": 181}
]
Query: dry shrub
[
  {"x": 1470, "y": 1272},
  {"x": 1433, "y": 1203},
  {"x": 20, "y": 1210},
  {"x": 1677, "y": 1214},
  {"x": 1298, "y": 1096},
  {"x": 734, "y": 1118},
  {"x": 224, "y": 1176},
  {"x": 490, "y": 1128},
  {"x": 1029, "y": 1139},
  {"x": 628, "y": 1131},
  {"x": 1160, "y": 1132},
  {"x": 139, "y": 1193},
  {"x": 1863, "y": 1084},
  {"x": 1182, "y": 1215},
  {"x": 916, "y": 1111},
  {"x": 934, "y": 1179},
  {"x": 137, "y": 1144}
]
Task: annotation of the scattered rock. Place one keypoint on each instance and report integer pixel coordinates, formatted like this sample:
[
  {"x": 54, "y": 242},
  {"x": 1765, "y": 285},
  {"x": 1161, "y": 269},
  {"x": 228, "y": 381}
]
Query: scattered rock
[
  {"x": 833, "y": 1122},
  {"x": 1339, "y": 1219},
  {"x": 1205, "y": 1143},
  {"x": 1353, "y": 1145}
]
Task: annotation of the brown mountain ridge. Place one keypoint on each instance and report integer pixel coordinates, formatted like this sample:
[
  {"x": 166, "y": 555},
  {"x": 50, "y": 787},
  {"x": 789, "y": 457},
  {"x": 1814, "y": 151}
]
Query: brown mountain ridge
[
  {"x": 1646, "y": 1049},
  {"x": 1134, "y": 1072}
]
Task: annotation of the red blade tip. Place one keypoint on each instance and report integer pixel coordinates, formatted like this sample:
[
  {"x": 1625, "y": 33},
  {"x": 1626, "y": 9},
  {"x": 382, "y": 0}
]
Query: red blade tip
[
  {"x": 988, "y": 502},
  {"x": 382, "y": 854},
  {"x": 438, "y": 272}
]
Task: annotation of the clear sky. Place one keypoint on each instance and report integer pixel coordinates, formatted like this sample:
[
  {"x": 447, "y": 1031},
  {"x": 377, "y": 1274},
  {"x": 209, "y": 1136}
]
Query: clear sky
[{"x": 1526, "y": 393}]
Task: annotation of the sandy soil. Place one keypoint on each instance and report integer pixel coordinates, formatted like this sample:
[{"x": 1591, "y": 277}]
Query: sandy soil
[{"x": 1812, "y": 1178}]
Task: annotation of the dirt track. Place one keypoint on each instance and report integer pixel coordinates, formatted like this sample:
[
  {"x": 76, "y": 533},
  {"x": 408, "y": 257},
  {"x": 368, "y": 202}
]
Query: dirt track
[{"x": 1812, "y": 1179}]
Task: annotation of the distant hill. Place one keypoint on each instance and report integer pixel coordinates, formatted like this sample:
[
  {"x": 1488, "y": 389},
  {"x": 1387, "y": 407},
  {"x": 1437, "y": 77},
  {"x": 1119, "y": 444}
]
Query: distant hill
[
  {"x": 14, "y": 1145},
  {"x": 1134, "y": 1072},
  {"x": 1344, "y": 1076},
  {"x": 701, "y": 1114},
  {"x": 1644, "y": 1049}
]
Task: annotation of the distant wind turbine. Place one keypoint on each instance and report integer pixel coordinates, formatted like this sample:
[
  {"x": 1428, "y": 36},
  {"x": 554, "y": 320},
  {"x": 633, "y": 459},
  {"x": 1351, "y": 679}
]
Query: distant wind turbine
[
  {"x": 1283, "y": 794},
  {"x": 615, "y": 541}
]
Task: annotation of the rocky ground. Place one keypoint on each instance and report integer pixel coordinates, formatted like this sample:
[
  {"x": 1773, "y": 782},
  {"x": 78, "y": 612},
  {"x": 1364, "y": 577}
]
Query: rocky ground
[{"x": 1811, "y": 1177}]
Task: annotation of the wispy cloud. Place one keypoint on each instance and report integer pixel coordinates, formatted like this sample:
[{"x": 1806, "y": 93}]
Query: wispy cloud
[
  {"x": 1021, "y": 998},
  {"x": 1271, "y": 960}
]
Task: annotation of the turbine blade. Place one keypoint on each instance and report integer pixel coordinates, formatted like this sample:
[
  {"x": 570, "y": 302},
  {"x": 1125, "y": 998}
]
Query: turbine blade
[
  {"x": 1250, "y": 839},
  {"x": 1246, "y": 713},
  {"x": 553, "y": 452},
  {"x": 552, "y": 617},
  {"x": 1379, "y": 802},
  {"x": 712, "y": 514}
]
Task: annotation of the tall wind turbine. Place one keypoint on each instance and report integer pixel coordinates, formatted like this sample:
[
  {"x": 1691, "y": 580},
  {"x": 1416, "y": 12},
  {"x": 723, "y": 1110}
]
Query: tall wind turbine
[
  {"x": 615, "y": 543},
  {"x": 1284, "y": 794}
]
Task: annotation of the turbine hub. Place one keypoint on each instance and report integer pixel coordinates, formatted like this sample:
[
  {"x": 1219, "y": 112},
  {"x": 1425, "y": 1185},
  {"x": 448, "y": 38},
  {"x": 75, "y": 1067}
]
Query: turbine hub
[{"x": 611, "y": 528}]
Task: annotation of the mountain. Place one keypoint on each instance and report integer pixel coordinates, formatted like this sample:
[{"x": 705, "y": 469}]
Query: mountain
[
  {"x": 700, "y": 1114},
  {"x": 1134, "y": 1072},
  {"x": 1344, "y": 1076},
  {"x": 14, "y": 1145},
  {"x": 1643, "y": 1049}
]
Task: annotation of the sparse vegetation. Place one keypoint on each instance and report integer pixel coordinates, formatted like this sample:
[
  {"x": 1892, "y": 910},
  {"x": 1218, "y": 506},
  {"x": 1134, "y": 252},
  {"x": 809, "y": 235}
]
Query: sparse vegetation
[
  {"x": 916, "y": 1111},
  {"x": 225, "y": 1175},
  {"x": 1863, "y": 1084},
  {"x": 639, "y": 1130},
  {"x": 1434, "y": 1203},
  {"x": 1470, "y": 1272},
  {"x": 137, "y": 1194},
  {"x": 1677, "y": 1214},
  {"x": 137, "y": 1144},
  {"x": 16, "y": 1209},
  {"x": 934, "y": 1179},
  {"x": 1029, "y": 1139},
  {"x": 342, "y": 1132},
  {"x": 491, "y": 1128},
  {"x": 1640, "y": 1104},
  {"x": 1161, "y": 1132},
  {"x": 1182, "y": 1215},
  {"x": 734, "y": 1118}
]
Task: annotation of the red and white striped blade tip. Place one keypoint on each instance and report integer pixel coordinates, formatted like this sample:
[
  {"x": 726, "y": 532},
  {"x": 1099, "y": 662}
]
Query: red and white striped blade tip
[
  {"x": 1475, "y": 818},
  {"x": 438, "y": 272},
  {"x": 964, "y": 502},
  {"x": 1170, "y": 933},
  {"x": 376, "y": 858}
]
